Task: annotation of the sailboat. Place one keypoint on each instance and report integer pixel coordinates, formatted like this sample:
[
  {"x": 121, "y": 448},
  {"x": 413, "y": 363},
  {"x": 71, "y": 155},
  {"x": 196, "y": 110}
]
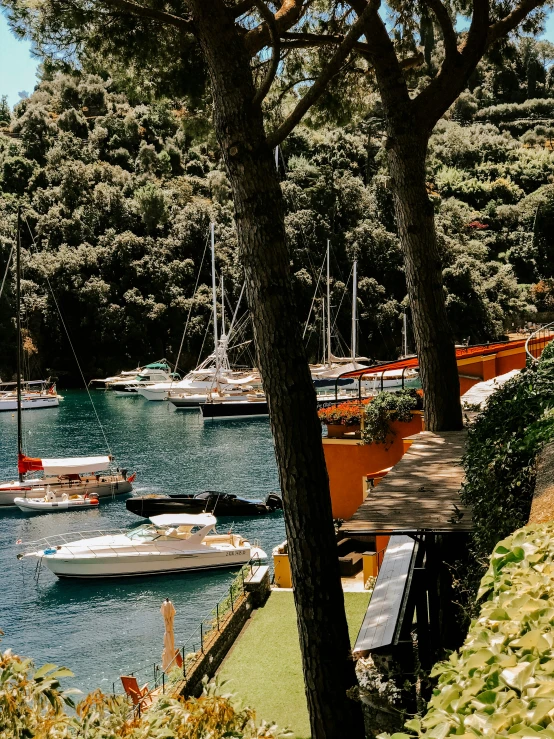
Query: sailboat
[
  {"x": 214, "y": 375},
  {"x": 326, "y": 375},
  {"x": 74, "y": 475}
]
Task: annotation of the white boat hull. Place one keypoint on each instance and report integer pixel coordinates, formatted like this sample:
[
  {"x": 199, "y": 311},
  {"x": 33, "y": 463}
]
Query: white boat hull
[
  {"x": 45, "y": 401},
  {"x": 36, "y": 505},
  {"x": 135, "y": 564},
  {"x": 105, "y": 487}
]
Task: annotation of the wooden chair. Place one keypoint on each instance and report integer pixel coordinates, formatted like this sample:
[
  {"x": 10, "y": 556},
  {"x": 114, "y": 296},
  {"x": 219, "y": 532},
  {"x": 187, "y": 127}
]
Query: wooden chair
[
  {"x": 178, "y": 660},
  {"x": 141, "y": 697}
]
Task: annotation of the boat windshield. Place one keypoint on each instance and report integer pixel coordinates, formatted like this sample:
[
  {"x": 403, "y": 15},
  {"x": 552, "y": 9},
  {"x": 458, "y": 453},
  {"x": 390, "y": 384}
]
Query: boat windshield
[{"x": 147, "y": 532}]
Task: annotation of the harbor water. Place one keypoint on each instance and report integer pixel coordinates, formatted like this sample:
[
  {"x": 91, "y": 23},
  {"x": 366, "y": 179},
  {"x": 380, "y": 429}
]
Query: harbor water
[{"x": 104, "y": 629}]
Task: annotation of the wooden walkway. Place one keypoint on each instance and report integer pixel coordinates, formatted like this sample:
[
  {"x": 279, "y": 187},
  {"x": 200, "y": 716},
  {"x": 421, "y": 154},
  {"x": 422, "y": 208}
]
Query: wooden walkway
[{"x": 420, "y": 493}]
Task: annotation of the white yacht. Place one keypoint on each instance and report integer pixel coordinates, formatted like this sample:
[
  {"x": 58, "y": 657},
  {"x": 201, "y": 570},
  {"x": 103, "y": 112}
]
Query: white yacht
[
  {"x": 171, "y": 543},
  {"x": 152, "y": 374}
]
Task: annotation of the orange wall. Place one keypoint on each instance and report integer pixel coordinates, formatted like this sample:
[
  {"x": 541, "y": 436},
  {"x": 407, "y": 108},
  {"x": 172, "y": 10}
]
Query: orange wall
[
  {"x": 490, "y": 366},
  {"x": 348, "y": 461}
]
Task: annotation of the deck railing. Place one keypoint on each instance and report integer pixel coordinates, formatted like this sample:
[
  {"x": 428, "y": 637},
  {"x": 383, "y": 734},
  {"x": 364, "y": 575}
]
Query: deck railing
[
  {"x": 193, "y": 650},
  {"x": 537, "y": 341}
]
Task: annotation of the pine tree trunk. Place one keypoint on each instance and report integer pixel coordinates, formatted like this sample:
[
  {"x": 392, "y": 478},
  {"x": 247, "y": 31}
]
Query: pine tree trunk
[
  {"x": 259, "y": 213},
  {"x": 416, "y": 228}
]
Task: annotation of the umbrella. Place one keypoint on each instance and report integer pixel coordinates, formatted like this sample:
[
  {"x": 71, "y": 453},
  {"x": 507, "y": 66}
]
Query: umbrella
[{"x": 168, "y": 655}]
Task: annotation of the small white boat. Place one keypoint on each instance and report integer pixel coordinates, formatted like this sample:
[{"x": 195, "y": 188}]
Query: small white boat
[
  {"x": 171, "y": 543},
  {"x": 52, "y": 504}
]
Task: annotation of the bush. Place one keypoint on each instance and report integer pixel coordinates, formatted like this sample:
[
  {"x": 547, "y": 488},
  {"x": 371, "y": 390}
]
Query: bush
[
  {"x": 500, "y": 457},
  {"x": 387, "y": 407},
  {"x": 32, "y": 704}
]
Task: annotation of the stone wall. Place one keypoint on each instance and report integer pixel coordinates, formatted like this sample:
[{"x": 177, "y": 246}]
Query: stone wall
[
  {"x": 218, "y": 642},
  {"x": 542, "y": 507}
]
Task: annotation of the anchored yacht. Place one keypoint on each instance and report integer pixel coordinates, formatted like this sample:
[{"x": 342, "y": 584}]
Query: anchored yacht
[{"x": 171, "y": 543}]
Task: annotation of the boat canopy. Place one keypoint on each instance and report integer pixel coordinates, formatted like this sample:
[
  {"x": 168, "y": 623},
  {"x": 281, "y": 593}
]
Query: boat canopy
[
  {"x": 66, "y": 466},
  {"x": 184, "y": 519},
  {"x": 157, "y": 365}
]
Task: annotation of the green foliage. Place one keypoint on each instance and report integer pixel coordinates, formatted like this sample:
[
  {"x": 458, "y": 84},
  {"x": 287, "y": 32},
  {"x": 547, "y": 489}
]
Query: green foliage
[
  {"x": 385, "y": 408},
  {"x": 501, "y": 682},
  {"x": 502, "y": 446},
  {"x": 32, "y": 704}
]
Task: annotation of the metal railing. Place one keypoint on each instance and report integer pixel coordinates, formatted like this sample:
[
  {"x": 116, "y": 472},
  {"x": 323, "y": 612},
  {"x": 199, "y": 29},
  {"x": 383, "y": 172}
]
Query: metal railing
[
  {"x": 537, "y": 341},
  {"x": 193, "y": 650}
]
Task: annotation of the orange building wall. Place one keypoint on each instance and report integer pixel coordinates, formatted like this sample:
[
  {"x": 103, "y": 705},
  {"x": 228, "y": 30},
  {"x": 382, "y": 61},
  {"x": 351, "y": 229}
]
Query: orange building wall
[{"x": 349, "y": 461}]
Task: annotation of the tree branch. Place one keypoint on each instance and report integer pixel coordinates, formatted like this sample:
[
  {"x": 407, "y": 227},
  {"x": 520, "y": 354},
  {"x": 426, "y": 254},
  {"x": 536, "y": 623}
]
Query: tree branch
[
  {"x": 308, "y": 40},
  {"x": 503, "y": 27},
  {"x": 317, "y": 89},
  {"x": 287, "y": 15},
  {"x": 445, "y": 23},
  {"x": 143, "y": 12},
  {"x": 243, "y": 6},
  {"x": 269, "y": 18}
]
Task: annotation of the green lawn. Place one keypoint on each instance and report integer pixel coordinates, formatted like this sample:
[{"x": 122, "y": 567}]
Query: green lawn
[{"x": 264, "y": 668}]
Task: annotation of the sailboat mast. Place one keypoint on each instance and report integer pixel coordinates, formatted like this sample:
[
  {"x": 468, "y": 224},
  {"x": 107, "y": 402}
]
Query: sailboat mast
[
  {"x": 222, "y": 307},
  {"x": 354, "y": 308},
  {"x": 328, "y": 306},
  {"x": 405, "y": 333},
  {"x": 18, "y": 323},
  {"x": 323, "y": 330},
  {"x": 214, "y": 300}
]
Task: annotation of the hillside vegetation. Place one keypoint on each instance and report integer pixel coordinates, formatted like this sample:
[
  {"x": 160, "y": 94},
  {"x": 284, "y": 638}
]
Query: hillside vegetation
[{"x": 118, "y": 197}]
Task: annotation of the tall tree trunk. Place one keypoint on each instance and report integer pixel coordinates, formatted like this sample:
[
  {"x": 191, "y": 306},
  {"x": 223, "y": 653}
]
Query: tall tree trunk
[
  {"x": 416, "y": 227},
  {"x": 407, "y": 139},
  {"x": 259, "y": 213}
]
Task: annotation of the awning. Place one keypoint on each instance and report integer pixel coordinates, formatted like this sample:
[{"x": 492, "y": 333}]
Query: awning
[
  {"x": 481, "y": 392},
  {"x": 184, "y": 519},
  {"x": 67, "y": 466},
  {"x": 462, "y": 352}
]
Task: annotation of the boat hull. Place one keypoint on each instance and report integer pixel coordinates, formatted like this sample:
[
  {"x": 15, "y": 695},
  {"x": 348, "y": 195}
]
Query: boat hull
[
  {"x": 136, "y": 565},
  {"x": 105, "y": 487},
  {"x": 153, "y": 506},
  {"x": 234, "y": 409},
  {"x": 51, "y": 401},
  {"x": 34, "y": 505}
]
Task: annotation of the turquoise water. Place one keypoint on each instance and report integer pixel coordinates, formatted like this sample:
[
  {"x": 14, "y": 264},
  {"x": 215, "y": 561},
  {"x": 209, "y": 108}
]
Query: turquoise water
[{"x": 102, "y": 630}]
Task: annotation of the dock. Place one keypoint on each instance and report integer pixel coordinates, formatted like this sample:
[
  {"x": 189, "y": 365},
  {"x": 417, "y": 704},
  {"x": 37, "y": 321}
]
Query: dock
[{"x": 421, "y": 493}]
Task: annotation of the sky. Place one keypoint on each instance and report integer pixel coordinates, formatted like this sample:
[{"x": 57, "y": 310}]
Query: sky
[{"x": 18, "y": 68}]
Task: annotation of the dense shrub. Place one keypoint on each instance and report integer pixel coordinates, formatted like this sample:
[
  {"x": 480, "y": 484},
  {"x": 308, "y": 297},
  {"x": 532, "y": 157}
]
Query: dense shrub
[{"x": 503, "y": 443}]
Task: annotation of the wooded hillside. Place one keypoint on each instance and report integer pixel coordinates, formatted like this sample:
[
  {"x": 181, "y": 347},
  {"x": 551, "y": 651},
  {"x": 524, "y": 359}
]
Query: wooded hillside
[{"x": 119, "y": 195}]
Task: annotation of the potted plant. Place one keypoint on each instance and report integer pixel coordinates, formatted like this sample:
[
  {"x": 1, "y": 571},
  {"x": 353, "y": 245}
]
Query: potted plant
[
  {"x": 386, "y": 408},
  {"x": 342, "y": 417}
]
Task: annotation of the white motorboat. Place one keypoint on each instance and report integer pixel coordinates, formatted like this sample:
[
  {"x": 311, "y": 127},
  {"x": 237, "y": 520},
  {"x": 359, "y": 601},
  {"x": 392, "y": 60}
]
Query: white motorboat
[
  {"x": 52, "y": 504},
  {"x": 73, "y": 476},
  {"x": 171, "y": 543},
  {"x": 150, "y": 375}
]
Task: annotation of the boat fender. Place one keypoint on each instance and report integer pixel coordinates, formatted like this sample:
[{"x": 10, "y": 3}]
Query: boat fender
[
  {"x": 94, "y": 501},
  {"x": 50, "y": 551}
]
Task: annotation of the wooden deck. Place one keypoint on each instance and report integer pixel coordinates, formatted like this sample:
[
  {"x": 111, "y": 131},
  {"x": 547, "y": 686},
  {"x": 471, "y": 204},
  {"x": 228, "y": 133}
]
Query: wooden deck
[{"x": 421, "y": 492}]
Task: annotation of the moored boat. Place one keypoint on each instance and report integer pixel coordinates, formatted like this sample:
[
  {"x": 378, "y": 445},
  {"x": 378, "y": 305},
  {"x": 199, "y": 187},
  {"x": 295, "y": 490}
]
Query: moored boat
[
  {"x": 52, "y": 504},
  {"x": 34, "y": 394},
  {"x": 74, "y": 476},
  {"x": 225, "y": 409},
  {"x": 210, "y": 501},
  {"x": 170, "y": 544}
]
